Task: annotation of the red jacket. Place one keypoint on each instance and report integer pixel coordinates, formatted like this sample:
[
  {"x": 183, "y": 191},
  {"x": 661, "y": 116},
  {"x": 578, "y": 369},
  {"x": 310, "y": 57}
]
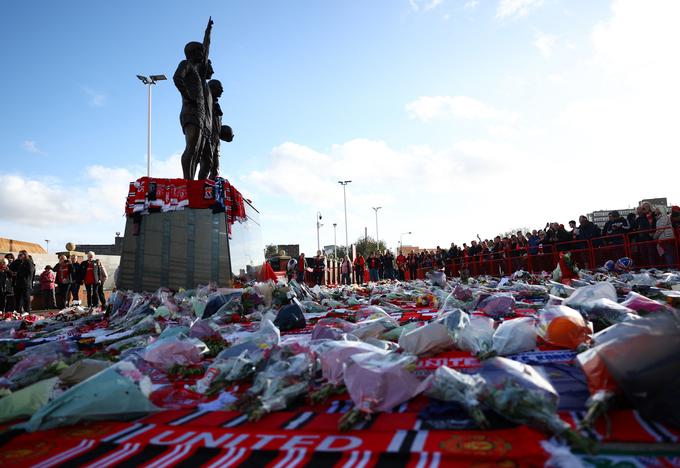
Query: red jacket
[
  {"x": 47, "y": 280},
  {"x": 359, "y": 261}
]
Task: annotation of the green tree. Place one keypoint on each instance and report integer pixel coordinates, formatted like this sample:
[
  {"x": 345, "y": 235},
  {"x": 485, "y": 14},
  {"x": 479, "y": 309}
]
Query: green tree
[
  {"x": 271, "y": 250},
  {"x": 367, "y": 245}
]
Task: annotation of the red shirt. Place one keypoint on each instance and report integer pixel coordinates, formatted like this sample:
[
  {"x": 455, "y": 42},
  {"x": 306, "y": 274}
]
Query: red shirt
[{"x": 89, "y": 273}]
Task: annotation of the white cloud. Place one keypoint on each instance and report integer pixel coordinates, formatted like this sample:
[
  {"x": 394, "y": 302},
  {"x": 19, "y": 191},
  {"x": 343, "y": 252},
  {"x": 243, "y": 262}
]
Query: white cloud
[
  {"x": 87, "y": 210},
  {"x": 515, "y": 8},
  {"x": 95, "y": 98},
  {"x": 428, "y": 108},
  {"x": 470, "y": 4},
  {"x": 32, "y": 147},
  {"x": 545, "y": 43},
  {"x": 425, "y": 5}
]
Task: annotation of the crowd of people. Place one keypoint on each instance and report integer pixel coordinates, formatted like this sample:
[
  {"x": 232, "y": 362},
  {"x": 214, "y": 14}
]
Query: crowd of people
[
  {"x": 649, "y": 226},
  {"x": 59, "y": 285}
]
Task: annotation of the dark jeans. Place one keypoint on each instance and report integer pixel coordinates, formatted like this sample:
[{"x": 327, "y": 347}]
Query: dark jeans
[
  {"x": 413, "y": 272},
  {"x": 7, "y": 302},
  {"x": 92, "y": 295},
  {"x": 301, "y": 277},
  {"x": 75, "y": 292},
  {"x": 345, "y": 279},
  {"x": 100, "y": 293},
  {"x": 50, "y": 301},
  {"x": 23, "y": 299},
  {"x": 360, "y": 275},
  {"x": 62, "y": 293},
  {"x": 318, "y": 277},
  {"x": 373, "y": 274},
  {"x": 401, "y": 275}
]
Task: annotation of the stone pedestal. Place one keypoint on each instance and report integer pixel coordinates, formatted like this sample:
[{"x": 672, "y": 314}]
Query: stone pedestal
[{"x": 177, "y": 249}]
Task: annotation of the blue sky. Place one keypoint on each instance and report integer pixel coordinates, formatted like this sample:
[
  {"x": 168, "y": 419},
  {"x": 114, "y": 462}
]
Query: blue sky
[{"x": 456, "y": 116}]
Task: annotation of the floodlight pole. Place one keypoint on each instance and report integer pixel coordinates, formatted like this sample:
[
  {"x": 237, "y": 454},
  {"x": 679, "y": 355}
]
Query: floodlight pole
[
  {"x": 148, "y": 82},
  {"x": 344, "y": 197},
  {"x": 377, "y": 236}
]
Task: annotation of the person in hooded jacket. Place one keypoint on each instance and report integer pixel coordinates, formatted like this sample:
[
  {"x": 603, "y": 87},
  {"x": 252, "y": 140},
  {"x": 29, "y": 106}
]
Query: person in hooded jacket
[{"x": 359, "y": 265}]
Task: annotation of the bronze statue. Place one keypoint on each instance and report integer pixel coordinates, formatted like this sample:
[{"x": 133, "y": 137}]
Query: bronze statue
[
  {"x": 196, "y": 114},
  {"x": 210, "y": 155}
]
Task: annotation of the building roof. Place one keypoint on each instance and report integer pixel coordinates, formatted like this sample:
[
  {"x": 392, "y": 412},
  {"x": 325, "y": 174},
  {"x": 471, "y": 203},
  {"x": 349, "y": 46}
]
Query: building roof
[{"x": 12, "y": 245}]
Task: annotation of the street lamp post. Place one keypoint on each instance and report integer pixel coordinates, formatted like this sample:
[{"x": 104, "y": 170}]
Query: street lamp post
[
  {"x": 401, "y": 244},
  {"x": 47, "y": 243},
  {"x": 335, "y": 241},
  {"x": 318, "y": 226},
  {"x": 344, "y": 196},
  {"x": 377, "y": 236},
  {"x": 148, "y": 82}
]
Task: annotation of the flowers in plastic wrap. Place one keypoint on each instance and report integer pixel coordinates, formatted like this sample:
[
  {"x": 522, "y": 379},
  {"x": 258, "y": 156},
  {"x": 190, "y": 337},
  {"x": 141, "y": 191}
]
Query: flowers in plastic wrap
[
  {"x": 477, "y": 336},
  {"x": 514, "y": 336},
  {"x": 118, "y": 392},
  {"x": 374, "y": 328},
  {"x": 642, "y": 304},
  {"x": 519, "y": 393},
  {"x": 180, "y": 350},
  {"x": 585, "y": 297},
  {"x": 331, "y": 328},
  {"x": 563, "y": 326},
  {"x": 447, "y": 384},
  {"x": 379, "y": 382},
  {"x": 497, "y": 305},
  {"x": 38, "y": 363},
  {"x": 638, "y": 360},
  {"x": 285, "y": 378},
  {"x": 436, "y": 336},
  {"x": 333, "y": 357},
  {"x": 608, "y": 312},
  {"x": 437, "y": 278},
  {"x": 241, "y": 360}
]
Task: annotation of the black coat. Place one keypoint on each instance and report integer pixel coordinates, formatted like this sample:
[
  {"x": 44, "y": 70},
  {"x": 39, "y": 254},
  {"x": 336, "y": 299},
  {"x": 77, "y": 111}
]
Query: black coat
[
  {"x": 70, "y": 275},
  {"x": 24, "y": 273},
  {"x": 6, "y": 283}
]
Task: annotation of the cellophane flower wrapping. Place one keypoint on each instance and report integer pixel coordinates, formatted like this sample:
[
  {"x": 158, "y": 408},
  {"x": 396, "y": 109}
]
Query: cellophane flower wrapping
[
  {"x": 518, "y": 392},
  {"x": 336, "y": 354},
  {"x": 118, "y": 392},
  {"x": 642, "y": 304},
  {"x": 610, "y": 312},
  {"x": 428, "y": 339},
  {"x": 477, "y": 336},
  {"x": 515, "y": 336},
  {"x": 283, "y": 380},
  {"x": 563, "y": 326},
  {"x": 180, "y": 350},
  {"x": 585, "y": 297},
  {"x": 379, "y": 382},
  {"x": 639, "y": 359},
  {"x": 448, "y": 384},
  {"x": 497, "y": 305}
]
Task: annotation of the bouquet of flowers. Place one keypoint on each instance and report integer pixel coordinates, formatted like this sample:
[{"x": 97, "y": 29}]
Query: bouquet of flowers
[
  {"x": 285, "y": 378},
  {"x": 450, "y": 385},
  {"x": 563, "y": 326},
  {"x": 639, "y": 360},
  {"x": 378, "y": 382}
]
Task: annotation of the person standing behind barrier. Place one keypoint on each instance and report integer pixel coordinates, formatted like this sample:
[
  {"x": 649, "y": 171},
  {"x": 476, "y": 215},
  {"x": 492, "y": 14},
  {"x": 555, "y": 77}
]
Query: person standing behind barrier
[
  {"x": 345, "y": 270},
  {"x": 64, "y": 277},
  {"x": 617, "y": 226},
  {"x": 664, "y": 237},
  {"x": 290, "y": 269},
  {"x": 359, "y": 265},
  {"x": 6, "y": 287},
  {"x": 412, "y": 262},
  {"x": 10, "y": 300},
  {"x": 319, "y": 268},
  {"x": 77, "y": 280},
  {"x": 23, "y": 271},
  {"x": 47, "y": 279},
  {"x": 401, "y": 266},
  {"x": 301, "y": 267},
  {"x": 373, "y": 263}
]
